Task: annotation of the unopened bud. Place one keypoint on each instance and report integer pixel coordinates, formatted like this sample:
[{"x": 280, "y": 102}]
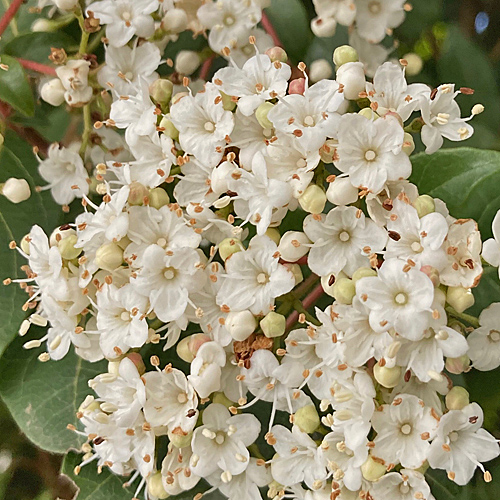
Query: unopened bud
[
  {"x": 352, "y": 76},
  {"x": 67, "y": 248},
  {"x": 227, "y": 102},
  {"x": 229, "y": 246},
  {"x": 342, "y": 192},
  {"x": 369, "y": 114},
  {"x": 307, "y": 419},
  {"x": 432, "y": 273},
  {"x": 459, "y": 298},
  {"x": 457, "y": 366},
  {"x": 174, "y": 21},
  {"x": 324, "y": 27},
  {"x": 293, "y": 245},
  {"x": 273, "y": 325},
  {"x": 274, "y": 234},
  {"x": 42, "y": 25},
  {"x": 424, "y": 205},
  {"x": 16, "y": 190},
  {"x": 25, "y": 244},
  {"x": 240, "y": 325},
  {"x": 296, "y": 270},
  {"x": 328, "y": 150},
  {"x": 345, "y": 54},
  {"x": 344, "y": 290},
  {"x": 137, "y": 193},
  {"x": 261, "y": 115},
  {"x": 297, "y": 86},
  {"x": 408, "y": 144},
  {"x": 179, "y": 440},
  {"x": 136, "y": 358},
  {"x": 158, "y": 198},
  {"x": 187, "y": 62},
  {"x": 457, "y": 398},
  {"x": 66, "y": 4},
  {"x": 169, "y": 128},
  {"x": 109, "y": 256},
  {"x": 155, "y": 486},
  {"x": 320, "y": 69},
  {"x": 220, "y": 398},
  {"x": 277, "y": 54},
  {"x": 363, "y": 272},
  {"x": 415, "y": 64},
  {"x": 59, "y": 234},
  {"x": 313, "y": 200},
  {"x": 53, "y": 92},
  {"x": 477, "y": 109},
  {"x": 387, "y": 377},
  {"x": 188, "y": 347},
  {"x": 328, "y": 282},
  {"x": 373, "y": 470},
  {"x": 161, "y": 91}
]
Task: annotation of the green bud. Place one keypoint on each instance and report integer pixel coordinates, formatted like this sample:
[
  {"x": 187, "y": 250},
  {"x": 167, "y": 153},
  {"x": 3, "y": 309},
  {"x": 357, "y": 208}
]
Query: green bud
[
  {"x": 227, "y": 102},
  {"x": 459, "y": 365},
  {"x": 274, "y": 234},
  {"x": 137, "y": 194},
  {"x": 387, "y": 377},
  {"x": 408, "y": 144},
  {"x": 368, "y": 113},
  {"x": 363, "y": 272},
  {"x": 277, "y": 54},
  {"x": 25, "y": 244},
  {"x": 109, "y": 256},
  {"x": 424, "y": 205},
  {"x": 169, "y": 128},
  {"x": 161, "y": 91},
  {"x": 67, "y": 247},
  {"x": 158, "y": 198},
  {"x": 307, "y": 419},
  {"x": 344, "y": 290},
  {"x": 313, "y": 200},
  {"x": 155, "y": 486},
  {"x": 460, "y": 298},
  {"x": 296, "y": 271},
  {"x": 261, "y": 115},
  {"x": 345, "y": 54},
  {"x": 229, "y": 246},
  {"x": 273, "y": 324},
  {"x": 219, "y": 397},
  {"x": 457, "y": 398},
  {"x": 179, "y": 440},
  {"x": 372, "y": 470}
]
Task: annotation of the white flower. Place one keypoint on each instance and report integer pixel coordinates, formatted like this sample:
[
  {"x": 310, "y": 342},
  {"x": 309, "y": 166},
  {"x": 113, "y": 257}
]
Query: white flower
[
  {"x": 245, "y": 50},
  {"x": 372, "y": 55},
  {"x": 176, "y": 472},
  {"x": 374, "y": 17},
  {"x": 74, "y": 78},
  {"x": 297, "y": 458},
  {"x": 398, "y": 299},
  {"x": 441, "y": 116},
  {"x": 404, "y": 429},
  {"x": 63, "y": 169},
  {"x": 256, "y": 82},
  {"x": 229, "y": 21},
  {"x": 203, "y": 124},
  {"x": 170, "y": 401},
  {"x": 343, "y": 11},
  {"x": 371, "y": 151},
  {"x": 206, "y": 369},
  {"x": 403, "y": 485},
  {"x": 124, "y": 67},
  {"x": 461, "y": 445},
  {"x": 342, "y": 240},
  {"x": 391, "y": 92},
  {"x": 220, "y": 444},
  {"x": 491, "y": 247},
  {"x": 255, "y": 278},
  {"x": 125, "y": 18},
  {"x": 484, "y": 342}
]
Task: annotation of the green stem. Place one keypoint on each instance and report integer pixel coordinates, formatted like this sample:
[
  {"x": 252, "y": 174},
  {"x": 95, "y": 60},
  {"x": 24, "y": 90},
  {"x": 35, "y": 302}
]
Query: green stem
[
  {"x": 297, "y": 304},
  {"x": 254, "y": 450},
  {"x": 85, "y": 36},
  {"x": 13, "y": 22},
  {"x": 471, "y": 320},
  {"x": 87, "y": 129},
  {"x": 95, "y": 42}
]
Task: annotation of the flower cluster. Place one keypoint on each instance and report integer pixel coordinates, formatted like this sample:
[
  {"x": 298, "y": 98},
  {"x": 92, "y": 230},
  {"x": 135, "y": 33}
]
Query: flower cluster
[{"x": 214, "y": 224}]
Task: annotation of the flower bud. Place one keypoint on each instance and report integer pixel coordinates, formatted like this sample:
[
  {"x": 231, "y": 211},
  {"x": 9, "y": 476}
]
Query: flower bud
[
  {"x": 188, "y": 347},
  {"x": 53, "y": 92},
  {"x": 229, "y": 246},
  {"x": 227, "y": 102},
  {"x": 155, "y": 486},
  {"x": 324, "y": 28},
  {"x": 161, "y": 91},
  {"x": 169, "y": 128},
  {"x": 261, "y": 115},
  {"x": 387, "y": 377},
  {"x": 328, "y": 282},
  {"x": 307, "y": 419},
  {"x": 137, "y": 193},
  {"x": 59, "y": 234},
  {"x": 345, "y": 54},
  {"x": 313, "y": 200},
  {"x": 328, "y": 150},
  {"x": 174, "y": 21},
  {"x": 320, "y": 69},
  {"x": 459, "y": 298},
  {"x": 277, "y": 54},
  {"x": 220, "y": 397},
  {"x": 113, "y": 367},
  {"x": 240, "y": 325},
  {"x": 179, "y": 440},
  {"x": 16, "y": 190},
  {"x": 296, "y": 270},
  {"x": 25, "y": 244},
  {"x": 344, "y": 290},
  {"x": 415, "y": 64},
  {"x": 439, "y": 296},
  {"x": 457, "y": 398},
  {"x": 408, "y": 144},
  {"x": 368, "y": 113},
  {"x": 373, "y": 470},
  {"x": 109, "y": 256},
  {"x": 432, "y": 273},
  {"x": 158, "y": 198},
  {"x": 187, "y": 62},
  {"x": 274, "y": 234},
  {"x": 136, "y": 358},
  {"x": 67, "y": 247},
  {"x": 424, "y": 205},
  {"x": 352, "y": 76},
  {"x": 363, "y": 272},
  {"x": 66, "y": 4},
  {"x": 459, "y": 365},
  {"x": 42, "y": 25},
  {"x": 342, "y": 192},
  {"x": 292, "y": 246},
  {"x": 273, "y": 324},
  {"x": 297, "y": 86}
]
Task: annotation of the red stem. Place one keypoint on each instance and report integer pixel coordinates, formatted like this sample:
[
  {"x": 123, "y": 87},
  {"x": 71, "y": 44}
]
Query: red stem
[
  {"x": 205, "y": 69},
  {"x": 38, "y": 67},
  {"x": 268, "y": 26},
  {"x": 309, "y": 300},
  {"x": 9, "y": 14}
]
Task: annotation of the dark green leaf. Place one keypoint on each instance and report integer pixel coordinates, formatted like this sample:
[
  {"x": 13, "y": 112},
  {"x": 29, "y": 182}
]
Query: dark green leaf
[{"x": 14, "y": 87}]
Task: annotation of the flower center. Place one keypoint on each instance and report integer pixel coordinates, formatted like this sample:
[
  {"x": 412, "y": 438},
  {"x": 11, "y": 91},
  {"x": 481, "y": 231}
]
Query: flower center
[
  {"x": 229, "y": 20},
  {"x": 70, "y": 167},
  {"x": 125, "y": 316},
  {"x": 416, "y": 247},
  {"x": 370, "y": 155},
  {"x": 453, "y": 436},
  {"x": 401, "y": 299},
  {"x": 129, "y": 75},
  {"x": 494, "y": 335},
  {"x": 262, "y": 278},
  {"x": 220, "y": 438},
  {"x": 126, "y": 16},
  {"x": 374, "y": 7},
  {"x": 209, "y": 127},
  {"x": 169, "y": 273},
  {"x": 404, "y": 489},
  {"x": 267, "y": 133},
  {"x": 344, "y": 236},
  {"x": 309, "y": 121},
  {"x": 162, "y": 242},
  {"x": 406, "y": 429},
  {"x": 182, "y": 397}
]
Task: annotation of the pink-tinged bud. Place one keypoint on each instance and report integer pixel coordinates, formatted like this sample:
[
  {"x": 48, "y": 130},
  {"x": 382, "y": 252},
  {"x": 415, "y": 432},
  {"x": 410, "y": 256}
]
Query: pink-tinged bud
[
  {"x": 277, "y": 54},
  {"x": 433, "y": 274},
  {"x": 137, "y": 193},
  {"x": 395, "y": 116},
  {"x": 188, "y": 347},
  {"x": 458, "y": 365},
  {"x": 457, "y": 398},
  {"x": 297, "y": 86},
  {"x": 136, "y": 358}
]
